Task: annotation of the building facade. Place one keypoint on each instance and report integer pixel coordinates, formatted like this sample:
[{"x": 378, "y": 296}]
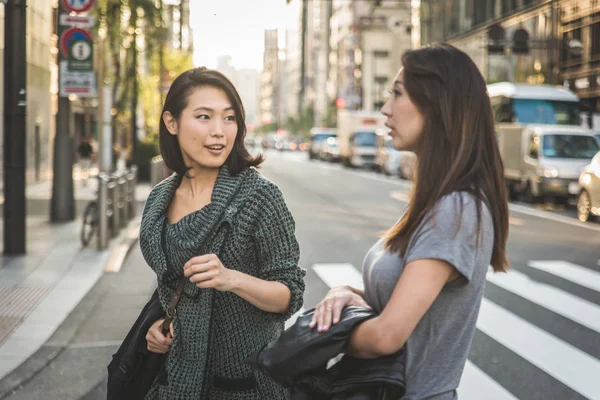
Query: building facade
[
  {"x": 270, "y": 81},
  {"x": 41, "y": 87},
  {"x": 564, "y": 40}
]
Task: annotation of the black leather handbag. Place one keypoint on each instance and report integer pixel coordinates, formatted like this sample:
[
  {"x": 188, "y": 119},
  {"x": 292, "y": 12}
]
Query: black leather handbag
[
  {"x": 134, "y": 368},
  {"x": 299, "y": 359}
]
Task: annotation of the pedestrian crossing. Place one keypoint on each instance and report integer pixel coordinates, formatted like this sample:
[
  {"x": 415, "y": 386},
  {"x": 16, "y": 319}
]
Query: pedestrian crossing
[{"x": 558, "y": 360}]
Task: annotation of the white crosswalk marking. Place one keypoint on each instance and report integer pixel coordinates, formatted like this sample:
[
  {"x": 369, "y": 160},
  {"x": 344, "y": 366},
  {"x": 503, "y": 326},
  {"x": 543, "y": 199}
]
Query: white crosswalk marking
[
  {"x": 572, "y": 272},
  {"x": 576, "y": 309},
  {"x": 561, "y": 360},
  {"x": 339, "y": 274},
  {"x": 564, "y": 362},
  {"x": 475, "y": 385}
]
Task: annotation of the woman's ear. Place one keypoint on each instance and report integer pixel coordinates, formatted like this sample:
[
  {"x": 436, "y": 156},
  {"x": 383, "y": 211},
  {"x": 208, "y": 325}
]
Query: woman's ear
[{"x": 170, "y": 122}]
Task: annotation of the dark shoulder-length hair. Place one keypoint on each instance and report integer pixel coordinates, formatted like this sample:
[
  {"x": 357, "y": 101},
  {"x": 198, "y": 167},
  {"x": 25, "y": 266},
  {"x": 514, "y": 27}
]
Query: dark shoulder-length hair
[
  {"x": 177, "y": 100},
  {"x": 457, "y": 150}
]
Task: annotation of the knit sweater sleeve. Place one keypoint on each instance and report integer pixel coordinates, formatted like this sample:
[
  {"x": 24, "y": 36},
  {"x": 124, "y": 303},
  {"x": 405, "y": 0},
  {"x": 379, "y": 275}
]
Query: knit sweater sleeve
[{"x": 278, "y": 250}]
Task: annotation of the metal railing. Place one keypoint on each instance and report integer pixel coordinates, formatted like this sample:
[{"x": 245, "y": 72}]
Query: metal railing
[{"x": 116, "y": 203}]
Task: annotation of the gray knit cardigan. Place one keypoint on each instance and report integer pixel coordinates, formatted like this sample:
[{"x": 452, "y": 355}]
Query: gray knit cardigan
[{"x": 250, "y": 227}]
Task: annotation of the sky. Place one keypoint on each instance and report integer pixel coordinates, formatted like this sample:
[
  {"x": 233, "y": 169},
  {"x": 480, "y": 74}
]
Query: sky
[{"x": 235, "y": 28}]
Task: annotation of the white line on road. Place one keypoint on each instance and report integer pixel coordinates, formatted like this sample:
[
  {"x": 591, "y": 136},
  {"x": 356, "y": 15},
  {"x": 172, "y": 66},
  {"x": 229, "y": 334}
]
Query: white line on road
[
  {"x": 293, "y": 318},
  {"x": 569, "y": 306},
  {"x": 564, "y": 362},
  {"x": 474, "y": 384},
  {"x": 572, "y": 272},
  {"x": 339, "y": 274}
]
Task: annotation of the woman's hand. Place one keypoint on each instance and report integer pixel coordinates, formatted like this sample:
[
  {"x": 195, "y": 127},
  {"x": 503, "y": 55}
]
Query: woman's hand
[
  {"x": 207, "y": 271},
  {"x": 329, "y": 310},
  {"x": 157, "y": 342}
]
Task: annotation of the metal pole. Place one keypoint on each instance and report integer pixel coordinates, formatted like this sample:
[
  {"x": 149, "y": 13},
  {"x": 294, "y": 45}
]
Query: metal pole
[
  {"x": 15, "y": 134},
  {"x": 62, "y": 205},
  {"x": 103, "y": 210}
]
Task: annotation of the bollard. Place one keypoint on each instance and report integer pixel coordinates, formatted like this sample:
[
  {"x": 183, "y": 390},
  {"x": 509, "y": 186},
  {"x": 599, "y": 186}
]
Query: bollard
[
  {"x": 132, "y": 180},
  {"x": 114, "y": 196},
  {"x": 104, "y": 211},
  {"x": 121, "y": 205}
]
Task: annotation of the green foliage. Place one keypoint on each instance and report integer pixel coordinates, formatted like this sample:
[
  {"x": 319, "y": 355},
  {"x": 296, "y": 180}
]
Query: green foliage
[{"x": 146, "y": 150}]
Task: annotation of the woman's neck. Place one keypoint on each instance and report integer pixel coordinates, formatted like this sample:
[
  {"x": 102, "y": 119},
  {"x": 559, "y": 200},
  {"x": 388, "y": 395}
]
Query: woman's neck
[{"x": 199, "y": 181}]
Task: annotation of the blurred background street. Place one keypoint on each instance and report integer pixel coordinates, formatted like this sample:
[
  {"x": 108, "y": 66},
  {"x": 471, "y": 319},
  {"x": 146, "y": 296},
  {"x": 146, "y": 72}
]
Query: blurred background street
[{"x": 82, "y": 91}]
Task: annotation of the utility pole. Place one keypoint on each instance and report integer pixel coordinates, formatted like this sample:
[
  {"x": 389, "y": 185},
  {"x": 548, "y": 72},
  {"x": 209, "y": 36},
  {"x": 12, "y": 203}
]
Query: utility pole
[
  {"x": 15, "y": 111},
  {"x": 134, "y": 96},
  {"x": 62, "y": 205}
]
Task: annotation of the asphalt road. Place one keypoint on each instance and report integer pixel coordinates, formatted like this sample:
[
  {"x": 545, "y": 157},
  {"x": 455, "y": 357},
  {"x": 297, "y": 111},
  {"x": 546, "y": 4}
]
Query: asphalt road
[{"x": 538, "y": 333}]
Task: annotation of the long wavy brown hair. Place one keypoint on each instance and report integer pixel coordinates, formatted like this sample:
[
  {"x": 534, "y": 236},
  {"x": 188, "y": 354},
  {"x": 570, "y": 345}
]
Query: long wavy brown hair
[{"x": 457, "y": 150}]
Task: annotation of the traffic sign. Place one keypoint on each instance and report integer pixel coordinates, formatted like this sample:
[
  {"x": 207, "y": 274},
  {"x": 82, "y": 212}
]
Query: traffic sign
[
  {"x": 80, "y": 21},
  {"x": 81, "y": 55},
  {"x": 83, "y": 84},
  {"x": 72, "y": 34},
  {"x": 77, "y": 6}
]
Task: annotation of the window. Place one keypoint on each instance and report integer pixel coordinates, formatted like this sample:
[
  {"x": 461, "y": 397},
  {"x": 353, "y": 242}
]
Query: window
[
  {"x": 595, "y": 48},
  {"x": 381, "y": 53},
  {"x": 534, "y": 111},
  {"x": 569, "y": 146},
  {"x": 368, "y": 139},
  {"x": 381, "y": 79}
]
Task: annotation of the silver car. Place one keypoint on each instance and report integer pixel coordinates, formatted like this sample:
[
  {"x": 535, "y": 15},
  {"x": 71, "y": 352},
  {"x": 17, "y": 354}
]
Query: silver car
[{"x": 588, "y": 201}]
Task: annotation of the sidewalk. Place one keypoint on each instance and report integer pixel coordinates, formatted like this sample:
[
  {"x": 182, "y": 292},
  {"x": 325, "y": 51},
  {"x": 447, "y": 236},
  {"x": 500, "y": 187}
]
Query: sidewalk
[{"x": 40, "y": 289}]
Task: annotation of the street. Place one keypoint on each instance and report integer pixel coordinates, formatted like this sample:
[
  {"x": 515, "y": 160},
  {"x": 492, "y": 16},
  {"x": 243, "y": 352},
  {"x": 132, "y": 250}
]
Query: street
[{"x": 538, "y": 333}]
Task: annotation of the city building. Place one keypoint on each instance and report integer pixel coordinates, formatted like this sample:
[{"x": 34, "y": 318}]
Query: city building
[
  {"x": 247, "y": 82},
  {"x": 292, "y": 61},
  {"x": 563, "y": 45},
  {"x": 270, "y": 81},
  {"x": 42, "y": 87},
  {"x": 367, "y": 41}
]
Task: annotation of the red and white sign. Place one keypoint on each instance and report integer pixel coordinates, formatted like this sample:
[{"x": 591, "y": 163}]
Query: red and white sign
[
  {"x": 80, "y": 21},
  {"x": 77, "y": 6},
  {"x": 69, "y": 35}
]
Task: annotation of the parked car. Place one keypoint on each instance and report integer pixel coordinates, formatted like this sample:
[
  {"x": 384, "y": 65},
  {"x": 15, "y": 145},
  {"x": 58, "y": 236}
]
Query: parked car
[
  {"x": 588, "y": 201},
  {"x": 318, "y": 137},
  {"x": 388, "y": 158},
  {"x": 407, "y": 165},
  {"x": 330, "y": 150},
  {"x": 597, "y": 136}
]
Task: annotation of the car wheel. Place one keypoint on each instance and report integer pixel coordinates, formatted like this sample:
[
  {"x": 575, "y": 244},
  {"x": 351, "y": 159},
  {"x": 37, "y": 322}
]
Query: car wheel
[{"x": 583, "y": 206}]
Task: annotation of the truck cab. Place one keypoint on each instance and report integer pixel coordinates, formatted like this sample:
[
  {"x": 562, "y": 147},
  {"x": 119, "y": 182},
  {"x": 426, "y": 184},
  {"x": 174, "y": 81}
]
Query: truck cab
[
  {"x": 540, "y": 138},
  {"x": 359, "y": 137}
]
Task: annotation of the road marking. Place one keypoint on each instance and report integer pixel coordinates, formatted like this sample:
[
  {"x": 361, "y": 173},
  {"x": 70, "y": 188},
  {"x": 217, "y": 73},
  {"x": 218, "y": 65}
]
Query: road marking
[
  {"x": 569, "y": 306},
  {"x": 293, "y": 318},
  {"x": 571, "y": 272},
  {"x": 564, "y": 362},
  {"x": 475, "y": 383},
  {"x": 339, "y": 274}
]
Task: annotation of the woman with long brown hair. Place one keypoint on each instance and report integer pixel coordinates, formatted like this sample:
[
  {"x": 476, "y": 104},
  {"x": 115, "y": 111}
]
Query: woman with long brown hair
[{"x": 426, "y": 276}]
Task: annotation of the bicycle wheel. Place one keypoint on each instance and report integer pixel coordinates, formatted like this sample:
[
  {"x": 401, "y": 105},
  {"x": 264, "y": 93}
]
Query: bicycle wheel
[{"x": 90, "y": 223}]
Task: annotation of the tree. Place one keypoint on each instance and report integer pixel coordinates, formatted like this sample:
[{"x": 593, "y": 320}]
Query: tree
[{"x": 127, "y": 23}]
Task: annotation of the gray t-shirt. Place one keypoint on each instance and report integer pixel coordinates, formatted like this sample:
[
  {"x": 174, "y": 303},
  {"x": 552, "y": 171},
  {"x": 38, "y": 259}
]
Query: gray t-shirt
[{"x": 436, "y": 351}]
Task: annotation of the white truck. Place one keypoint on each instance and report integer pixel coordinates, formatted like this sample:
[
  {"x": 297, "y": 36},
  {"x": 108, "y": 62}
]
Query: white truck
[
  {"x": 359, "y": 135},
  {"x": 541, "y": 141}
]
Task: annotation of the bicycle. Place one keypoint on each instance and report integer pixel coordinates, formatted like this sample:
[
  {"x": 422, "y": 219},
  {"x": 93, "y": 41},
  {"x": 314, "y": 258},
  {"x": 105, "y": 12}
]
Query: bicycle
[{"x": 90, "y": 222}]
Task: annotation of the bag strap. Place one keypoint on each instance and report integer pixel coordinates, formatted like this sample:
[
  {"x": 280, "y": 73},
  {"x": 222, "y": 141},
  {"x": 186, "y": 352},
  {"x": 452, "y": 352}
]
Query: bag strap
[{"x": 172, "y": 308}]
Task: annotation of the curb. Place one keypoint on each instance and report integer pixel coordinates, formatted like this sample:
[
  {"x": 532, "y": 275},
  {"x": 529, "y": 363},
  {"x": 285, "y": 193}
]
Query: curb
[{"x": 44, "y": 355}]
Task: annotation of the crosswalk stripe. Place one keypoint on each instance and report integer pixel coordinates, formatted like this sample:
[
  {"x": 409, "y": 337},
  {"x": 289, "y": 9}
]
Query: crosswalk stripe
[
  {"x": 475, "y": 383},
  {"x": 293, "y": 318},
  {"x": 572, "y": 307},
  {"x": 564, "y": 362},
  {"x": 339, "y": 274},
  {"x": 571, "y": 272}
]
